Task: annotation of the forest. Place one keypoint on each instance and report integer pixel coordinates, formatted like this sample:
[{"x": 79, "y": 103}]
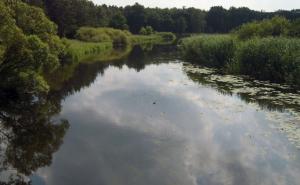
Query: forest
[{"x": 70, "y": 15}]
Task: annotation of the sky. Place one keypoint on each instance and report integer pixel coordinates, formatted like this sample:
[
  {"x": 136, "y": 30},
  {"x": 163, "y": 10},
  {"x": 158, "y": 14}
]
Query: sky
[{"x": 266, "y": 5}]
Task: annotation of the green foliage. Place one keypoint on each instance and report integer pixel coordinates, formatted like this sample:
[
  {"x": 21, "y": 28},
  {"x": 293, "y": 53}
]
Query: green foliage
[
  {"x": 180, "y": 25},
  {"x": 136, "y": 17},
  {"x": 29, "y": 47},
  {"x": 210, "y": 50},
  {"x": 294, "y": 30},
  {"x": 118, "y": 37},
  {"x": 118, "y": 22},
  {"x": 70, "y": 15},
  {"x": 277, "y": 26},
  {"x": 148, "y": 30},
  {"x": 220, "y": 20},
  {"x": 143, "y": 31},
  {"x": 32, "y": 21},
  {"x": 80, "y": 51},
  {"x": 275, "y": 59},
  {"x": 9, "y": 32}
]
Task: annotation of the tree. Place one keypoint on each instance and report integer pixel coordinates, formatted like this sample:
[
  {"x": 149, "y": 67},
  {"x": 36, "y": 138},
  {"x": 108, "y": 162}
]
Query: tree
[
  {"x": 216, "y": 20},
  {"x": 29, "y": 48},
  {"x": 136, "y": 17},
  {"x": 180, "y": 25},
  {"x": 119, "y": 22}
]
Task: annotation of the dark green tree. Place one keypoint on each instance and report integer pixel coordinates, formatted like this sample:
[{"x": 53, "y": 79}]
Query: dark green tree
[
  {"x": 136, "y": 17},
  {"x": 119, "y": 22}
]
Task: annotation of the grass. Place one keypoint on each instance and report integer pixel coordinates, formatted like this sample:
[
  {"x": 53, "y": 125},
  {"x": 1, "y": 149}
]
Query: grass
[
  {"x": 209, "y": 50},
  {"x": 88, "y": 52},
  {"x": 79, "y": 51},
  {"x": 276, "y": 59}
]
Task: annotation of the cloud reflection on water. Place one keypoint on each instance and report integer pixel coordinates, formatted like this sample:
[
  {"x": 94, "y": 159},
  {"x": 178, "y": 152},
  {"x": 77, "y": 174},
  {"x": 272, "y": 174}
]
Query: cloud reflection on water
[{"x": 158, "y": 127}]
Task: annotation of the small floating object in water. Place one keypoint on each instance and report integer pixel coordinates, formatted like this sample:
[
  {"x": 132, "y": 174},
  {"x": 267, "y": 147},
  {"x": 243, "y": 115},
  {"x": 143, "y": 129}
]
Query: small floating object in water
[{"x": 154, "y": 103}]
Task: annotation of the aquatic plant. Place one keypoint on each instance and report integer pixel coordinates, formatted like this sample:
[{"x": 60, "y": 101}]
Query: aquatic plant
[
  {"x": 275, "y": 58},
  {"x": 210, "y": 50}
]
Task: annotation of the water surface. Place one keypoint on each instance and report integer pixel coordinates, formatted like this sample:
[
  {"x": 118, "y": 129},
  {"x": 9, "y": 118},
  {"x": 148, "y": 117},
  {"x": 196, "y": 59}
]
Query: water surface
[{"x": 154, "y": 119}]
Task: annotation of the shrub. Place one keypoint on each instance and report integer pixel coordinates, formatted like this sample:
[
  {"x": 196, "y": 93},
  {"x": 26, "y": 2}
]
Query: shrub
[
  {"x": 143, "y": 31},
  {"x": 210, "y": 50},
  {"x": 148, "y": 30},
  {"x": 89, "y": 34},
  {"x": 277, "y": 26}
]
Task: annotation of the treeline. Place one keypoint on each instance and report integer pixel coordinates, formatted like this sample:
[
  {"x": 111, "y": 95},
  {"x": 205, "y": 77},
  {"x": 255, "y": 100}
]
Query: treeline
[
  {"x": 270, "y": 51},
  {"x": 70, "y": 15}
]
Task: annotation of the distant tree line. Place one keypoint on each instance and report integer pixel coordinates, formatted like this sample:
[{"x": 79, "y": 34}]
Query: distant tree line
[{"x": 70, "y": 15}]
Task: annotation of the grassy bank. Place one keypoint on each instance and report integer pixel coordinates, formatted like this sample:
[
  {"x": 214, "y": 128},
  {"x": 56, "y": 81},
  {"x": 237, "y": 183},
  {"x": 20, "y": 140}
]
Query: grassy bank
[
  {"x": 276, "y": 59},
  {"x": 79, "y": 51},
  {"x": 100, "y": 44}
]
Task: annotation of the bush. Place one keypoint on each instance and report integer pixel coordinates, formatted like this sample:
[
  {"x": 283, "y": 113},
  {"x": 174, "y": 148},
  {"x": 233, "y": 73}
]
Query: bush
[
  {"x": 89, "y": 34},
  {"x": 277, "y": 26},
  {"x": 148, "y": 30},
  {"x": 274, "y": 59},
  {"x": 210, "y": 50}
]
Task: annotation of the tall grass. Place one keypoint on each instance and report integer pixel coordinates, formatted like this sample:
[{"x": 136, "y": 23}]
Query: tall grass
[
  {"x": 276, "y": 59},
  {"x": 79, "y": 51},
  {"x": 209, "y": 50}
]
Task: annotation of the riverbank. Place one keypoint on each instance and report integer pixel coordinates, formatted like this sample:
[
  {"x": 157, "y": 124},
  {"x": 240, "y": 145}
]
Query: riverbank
[
  {"x": 91, "y": 52},
  {"x": 274, "y": 59},
  {"x": 265, "y": 50},
  {"x": 83, "y": 51}
]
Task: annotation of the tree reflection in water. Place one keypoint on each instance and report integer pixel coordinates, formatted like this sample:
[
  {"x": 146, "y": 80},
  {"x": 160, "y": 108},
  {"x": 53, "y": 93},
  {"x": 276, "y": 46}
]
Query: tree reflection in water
[{"x": 29, "y": 136}]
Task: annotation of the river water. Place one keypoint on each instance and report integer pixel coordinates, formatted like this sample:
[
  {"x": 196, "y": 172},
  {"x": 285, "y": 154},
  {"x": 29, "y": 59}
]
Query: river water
[{"x": 152, "y": 119}]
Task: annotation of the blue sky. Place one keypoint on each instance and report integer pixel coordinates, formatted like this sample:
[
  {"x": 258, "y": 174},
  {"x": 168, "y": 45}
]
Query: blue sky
[{"x": 267, "y": 5}]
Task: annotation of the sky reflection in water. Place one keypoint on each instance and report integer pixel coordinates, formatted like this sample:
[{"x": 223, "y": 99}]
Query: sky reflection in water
[{"x": 158, "y": 127}]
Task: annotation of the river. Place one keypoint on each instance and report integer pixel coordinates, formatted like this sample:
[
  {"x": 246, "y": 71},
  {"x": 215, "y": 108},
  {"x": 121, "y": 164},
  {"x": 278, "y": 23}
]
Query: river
[{"x": 153, "y": 119}]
